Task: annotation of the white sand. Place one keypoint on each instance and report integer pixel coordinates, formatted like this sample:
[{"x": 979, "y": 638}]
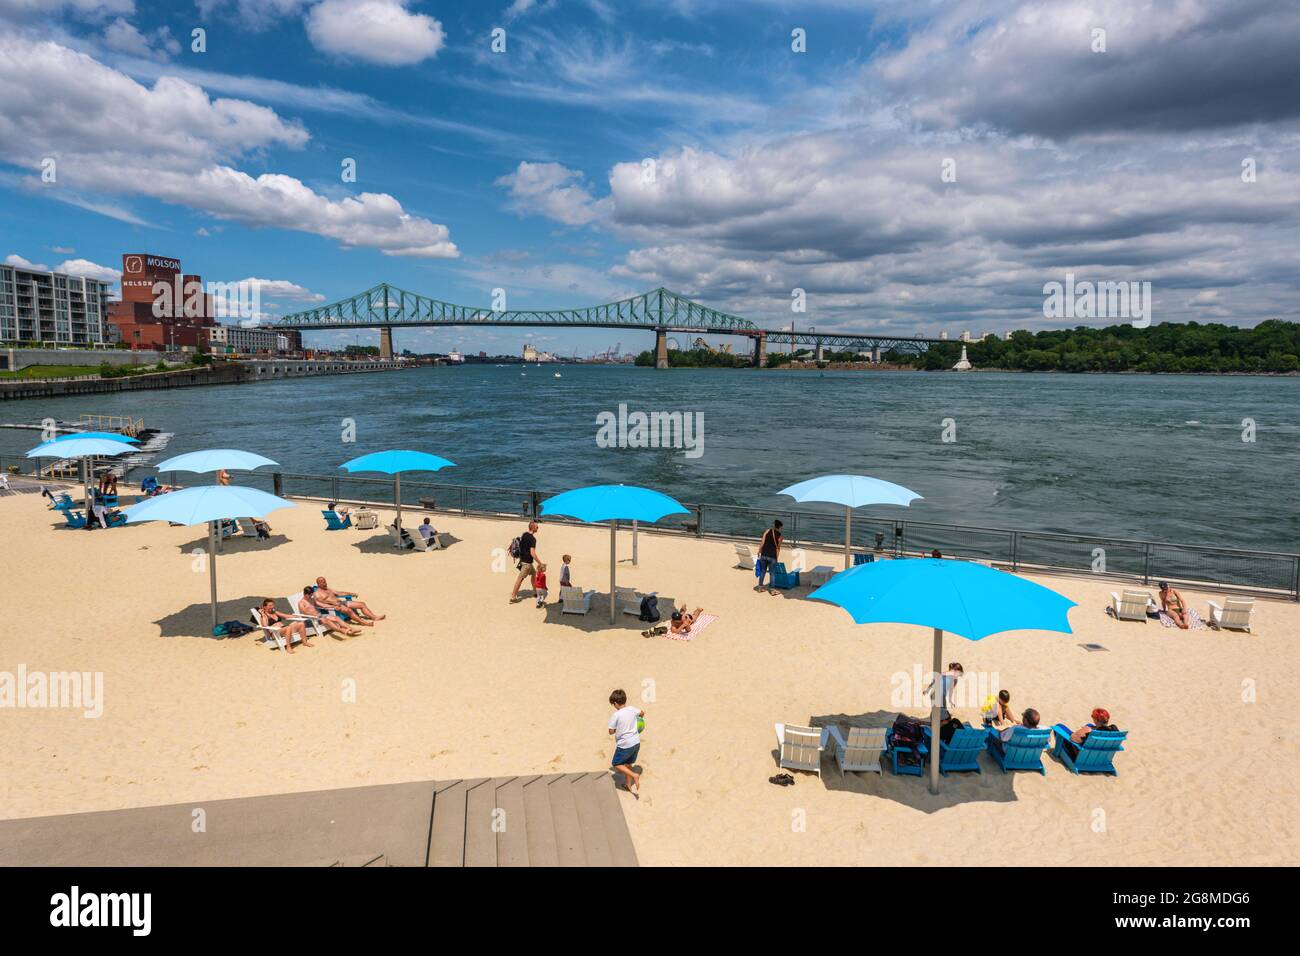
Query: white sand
[{"x": 459, "y": 683}]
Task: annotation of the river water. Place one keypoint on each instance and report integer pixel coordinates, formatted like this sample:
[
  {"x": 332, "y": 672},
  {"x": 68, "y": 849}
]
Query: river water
[{"x": 1140, "y": 456}]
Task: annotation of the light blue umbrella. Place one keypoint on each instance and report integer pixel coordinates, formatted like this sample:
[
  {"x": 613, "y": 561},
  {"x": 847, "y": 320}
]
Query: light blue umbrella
[
  {"x": 613, "y": 503},
  {"x": 394, "y": 463},
  {"x": 83, "y": 449},
  {"x": 107, "y": 436},
  {"x": 851, "y": 491},
  {"x": 969, "y": 599},
  {"x": 215, "y": 459},
  {"x": 79, "y": 447},
  {"x": 210, "y": 503}
]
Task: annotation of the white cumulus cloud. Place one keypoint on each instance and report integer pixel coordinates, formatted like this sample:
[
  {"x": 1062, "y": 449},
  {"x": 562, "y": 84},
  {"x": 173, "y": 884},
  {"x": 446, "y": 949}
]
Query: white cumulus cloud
[{"x": 377, "y": 31}]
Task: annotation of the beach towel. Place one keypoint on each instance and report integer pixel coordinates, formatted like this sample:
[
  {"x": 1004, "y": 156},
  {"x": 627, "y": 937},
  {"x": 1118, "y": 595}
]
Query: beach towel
[
  {"x": 703, "y": 621},
  {"x": 1194, "y": 622}
]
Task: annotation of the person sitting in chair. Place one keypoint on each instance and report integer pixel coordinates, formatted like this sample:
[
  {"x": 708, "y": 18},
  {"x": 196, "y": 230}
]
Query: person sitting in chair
[
  {"x": 1000, "y": 738},
  {"x": 345, "y": 599},
  {"x": 1100, "y": 721},
  {"x": 325, "y": 616},
  {"x": 268, "y": 616}
]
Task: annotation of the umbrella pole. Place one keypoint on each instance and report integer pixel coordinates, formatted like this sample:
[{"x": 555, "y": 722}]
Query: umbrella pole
[
  {"x": 397, "y": 497},
  {"x": 85, "y": 488},
  {"x": 848, "y": 536},
  {"x": 212, "y": 568},
  {"x": 613, "y": 564},
  {"x": 634, "y": 523},
  {"x": 936, "y": 705}
]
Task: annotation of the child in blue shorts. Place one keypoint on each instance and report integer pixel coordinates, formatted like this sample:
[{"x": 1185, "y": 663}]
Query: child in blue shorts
[{"x": 627, "y": 739}]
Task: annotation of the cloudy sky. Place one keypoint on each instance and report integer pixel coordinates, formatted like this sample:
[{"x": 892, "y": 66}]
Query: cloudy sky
[{"x": 913, "y": 166}]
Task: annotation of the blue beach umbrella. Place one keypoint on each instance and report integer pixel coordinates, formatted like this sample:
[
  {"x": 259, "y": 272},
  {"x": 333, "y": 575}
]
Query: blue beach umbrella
[
  {"x": 77, "y": 446},
  {"x": 851, "y": 491},
  {"x": 210, "y": 503},
  {"x": 613, "y": 503},
  {"x": 968, "y": 599},
  {"x": 393, "y": 463},
  {"x": 215, "y": 459},
  {"x": 107, "y": 436}
]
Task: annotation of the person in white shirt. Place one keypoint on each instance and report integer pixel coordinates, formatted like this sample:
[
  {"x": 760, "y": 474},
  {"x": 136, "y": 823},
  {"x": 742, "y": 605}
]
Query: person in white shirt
[
  {"x": 627, "y": 739},
  {"x": 946, "y": 685},
  {"x": 427, "y": 531}
]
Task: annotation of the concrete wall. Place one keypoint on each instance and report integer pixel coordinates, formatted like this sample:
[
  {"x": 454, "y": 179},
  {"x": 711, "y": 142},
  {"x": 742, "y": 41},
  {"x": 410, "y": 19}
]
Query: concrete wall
[
  {"x": 232, "y": 373},
  {"x": 18, "y": 359}
]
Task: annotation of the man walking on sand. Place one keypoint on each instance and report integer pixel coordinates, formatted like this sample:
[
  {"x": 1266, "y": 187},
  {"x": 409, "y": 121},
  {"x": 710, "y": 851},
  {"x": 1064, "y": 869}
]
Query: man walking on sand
[{"x": 528, "y": 559}]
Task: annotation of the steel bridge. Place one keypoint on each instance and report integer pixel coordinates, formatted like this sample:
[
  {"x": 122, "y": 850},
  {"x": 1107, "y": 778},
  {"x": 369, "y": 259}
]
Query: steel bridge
[{"x": 387, "y": 307}]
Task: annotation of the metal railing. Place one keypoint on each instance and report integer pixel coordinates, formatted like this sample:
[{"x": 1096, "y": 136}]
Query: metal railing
[{"x": 1016, "y": 550}]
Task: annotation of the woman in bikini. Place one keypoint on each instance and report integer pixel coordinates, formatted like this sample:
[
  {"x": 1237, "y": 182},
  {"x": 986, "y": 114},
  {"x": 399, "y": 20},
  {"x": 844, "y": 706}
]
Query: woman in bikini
[
  {"x": 683, "y": 620},
  {"x": 273, "y": 619},
  {"x": 1172, "y": 604}
]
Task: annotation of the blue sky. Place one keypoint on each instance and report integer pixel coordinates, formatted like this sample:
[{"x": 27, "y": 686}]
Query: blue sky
[{"x": 772, "y": 169}]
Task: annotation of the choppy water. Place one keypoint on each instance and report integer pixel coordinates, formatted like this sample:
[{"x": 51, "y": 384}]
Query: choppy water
[{"x": 1158, "y": 457}]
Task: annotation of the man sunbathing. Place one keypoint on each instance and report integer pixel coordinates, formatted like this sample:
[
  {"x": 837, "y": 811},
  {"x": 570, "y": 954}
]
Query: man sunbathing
[
  {"x": 328, "y": 618},
  {"x": 329, "y": 597},
  {"x": 269, "y": 617},
  {"x": 683, "y": 620}
]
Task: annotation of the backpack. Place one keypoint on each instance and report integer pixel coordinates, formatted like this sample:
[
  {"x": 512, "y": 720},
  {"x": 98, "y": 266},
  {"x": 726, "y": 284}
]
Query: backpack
[
  {"x": 649, "y": 608},
  {"x": 514, "y": 548},
  {"x": 908, "y": 733}
]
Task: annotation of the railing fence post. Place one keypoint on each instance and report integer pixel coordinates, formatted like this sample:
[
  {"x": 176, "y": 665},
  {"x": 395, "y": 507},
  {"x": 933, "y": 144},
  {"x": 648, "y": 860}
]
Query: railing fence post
[
  {"x": 277, "y": 482},
  {"x": 1146, "y": 564}
]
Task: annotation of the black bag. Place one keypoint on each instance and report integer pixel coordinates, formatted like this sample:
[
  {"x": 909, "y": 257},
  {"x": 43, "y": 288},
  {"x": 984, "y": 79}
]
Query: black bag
[
  {"x": 948, "y": 728},
  {"x": 908, "y": 732},
  {"x": 650, "y": 608},
  {"x": 514, "y": 548}
]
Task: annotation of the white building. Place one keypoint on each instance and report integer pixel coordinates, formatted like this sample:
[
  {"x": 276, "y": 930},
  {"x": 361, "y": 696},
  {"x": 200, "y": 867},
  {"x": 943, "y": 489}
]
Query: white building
[
  {"x": 237, "y": 339},
  {"x": 38, "y": 306}
]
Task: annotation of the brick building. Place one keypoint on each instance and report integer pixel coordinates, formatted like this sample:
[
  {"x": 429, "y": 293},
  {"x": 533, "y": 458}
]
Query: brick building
[{"x": 161, "y": 308}]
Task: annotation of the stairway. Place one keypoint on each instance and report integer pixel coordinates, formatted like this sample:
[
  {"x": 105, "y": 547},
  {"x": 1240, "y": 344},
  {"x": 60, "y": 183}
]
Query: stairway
[{"x": 573, "y": 819}]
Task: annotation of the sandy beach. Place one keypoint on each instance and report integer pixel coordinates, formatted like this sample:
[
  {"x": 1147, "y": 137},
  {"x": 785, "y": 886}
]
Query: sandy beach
[{"x": 458, "y": 682}]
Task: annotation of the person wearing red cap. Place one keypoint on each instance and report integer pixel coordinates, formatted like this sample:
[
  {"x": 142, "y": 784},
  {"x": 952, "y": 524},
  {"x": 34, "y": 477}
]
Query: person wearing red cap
[{"x": 1100, "y": 721}]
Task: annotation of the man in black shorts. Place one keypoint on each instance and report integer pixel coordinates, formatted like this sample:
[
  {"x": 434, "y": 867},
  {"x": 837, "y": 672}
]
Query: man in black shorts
[{"x": 528, "y": 559}]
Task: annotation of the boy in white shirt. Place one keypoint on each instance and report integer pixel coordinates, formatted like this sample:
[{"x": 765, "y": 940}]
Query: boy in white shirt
[{"x": 627, "y": 739}]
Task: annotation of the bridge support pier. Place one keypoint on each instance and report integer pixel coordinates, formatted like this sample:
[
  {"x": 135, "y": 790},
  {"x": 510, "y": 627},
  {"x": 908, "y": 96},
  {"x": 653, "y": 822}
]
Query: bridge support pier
[
  {"x": 820, "y": 353},
  {"x": 760, "y": 350},
  {"x": 661, "y": 348},
  {"x": 386, "y": 343},
  {"x": 875, "y": 355}
]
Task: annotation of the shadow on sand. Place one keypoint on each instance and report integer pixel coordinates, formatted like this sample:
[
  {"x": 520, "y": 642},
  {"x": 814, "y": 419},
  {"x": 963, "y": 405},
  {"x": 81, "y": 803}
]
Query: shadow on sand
[
  {"x": 235, "y": 544},
  {"x": 196, "y": 620},
  {"x": 991, "y": 785}
]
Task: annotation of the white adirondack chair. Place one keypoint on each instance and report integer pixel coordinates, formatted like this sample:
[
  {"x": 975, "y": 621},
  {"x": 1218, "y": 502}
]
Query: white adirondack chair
[
  {"x": 746, "y": 555},
  {"x": 861, "y": 751},
  {"x": 575, "y": 600},
  {"x": 1234, "y": 615},
  {"x": 1132, "y": 606},
  {"x": 271, "y": 635},
  {"x": 801, "y": 747}
]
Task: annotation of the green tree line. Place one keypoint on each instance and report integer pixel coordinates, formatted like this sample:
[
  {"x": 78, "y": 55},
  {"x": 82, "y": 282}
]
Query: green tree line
[{"x": 1272, "y": 346}]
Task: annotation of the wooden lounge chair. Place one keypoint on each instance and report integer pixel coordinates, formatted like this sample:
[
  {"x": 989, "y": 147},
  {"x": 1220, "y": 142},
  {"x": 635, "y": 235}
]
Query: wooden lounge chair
[
  {"x": 334, "y": 523},
  {"x": 746, "y": 555},
  {"x": 1132, "y": 606},
  {"x": 800, "y": 747},
  {"x": 1024, "y": 751},
  {"x": 861, "y": 752},
  {"x": 961, "y": 753},
  {"x": 1234, "y": 614},
  {"x": 1095, "y": 755},
  {"x": 575, "y": 600}
]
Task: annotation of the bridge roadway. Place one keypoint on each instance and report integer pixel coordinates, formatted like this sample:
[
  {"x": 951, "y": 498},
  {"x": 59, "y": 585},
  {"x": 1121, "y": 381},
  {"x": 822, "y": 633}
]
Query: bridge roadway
[{"x": 660, "y": 311}]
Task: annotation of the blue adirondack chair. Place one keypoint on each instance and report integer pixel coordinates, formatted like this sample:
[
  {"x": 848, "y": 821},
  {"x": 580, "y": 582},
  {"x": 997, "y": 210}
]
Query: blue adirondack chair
[
  {"x": 782, "y": 578},
  {"x": 1024, "y": 751},
  {"x": 332, "y": 522},
  {"x": 1096, "y": 753},
  {"x": 962, "y": 752},
  {"x": 893, "y": 750},
  {"x": 116, "y": 520},
  {"x": 863, "y": 559},
  {"x": 61, "y": 502},
  {"x": 74, "y": 518}
]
